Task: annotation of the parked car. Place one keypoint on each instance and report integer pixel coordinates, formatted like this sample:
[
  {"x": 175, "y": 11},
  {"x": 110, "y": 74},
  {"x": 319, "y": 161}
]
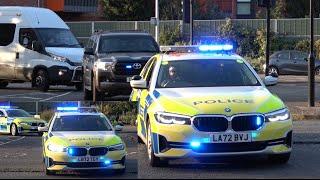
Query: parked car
[
  {"x": 111, "y": 59},
  {"x": 37, "y": 46},
  {"x": 290, "y": 62}
]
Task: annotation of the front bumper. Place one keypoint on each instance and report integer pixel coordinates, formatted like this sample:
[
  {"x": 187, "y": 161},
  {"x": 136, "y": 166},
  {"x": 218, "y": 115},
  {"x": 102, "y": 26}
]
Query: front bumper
[
  {"x": 61, "y": 75},
  {"x": 27, "y": 129},
  {"x": 174, "y": 142},
  {"x": 63, "y": 162},
  {"x": 116, "y": 84}
]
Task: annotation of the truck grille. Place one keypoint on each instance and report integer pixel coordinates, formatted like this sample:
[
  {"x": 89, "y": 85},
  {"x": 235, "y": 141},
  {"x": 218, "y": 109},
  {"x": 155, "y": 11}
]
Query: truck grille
[
  {"x": 211, "y": 124},
  {"x": 122, "y": 68}
]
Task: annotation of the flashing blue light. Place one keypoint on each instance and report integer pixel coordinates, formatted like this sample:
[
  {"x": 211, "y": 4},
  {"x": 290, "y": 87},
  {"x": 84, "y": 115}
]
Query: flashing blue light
[
  {"x": 67, "y": 108},
  {"x": 220, "y": 47},
  {"x": 195, "y": 144},
  {"x": 5, "y": 107},
  {"x": 254, "y": 135},
  {"x": 70, "y": 151},
  {"x": 107, "y": 162},
  {"x": 259, "y": 121},
  {"x": 128, "y": 66}
]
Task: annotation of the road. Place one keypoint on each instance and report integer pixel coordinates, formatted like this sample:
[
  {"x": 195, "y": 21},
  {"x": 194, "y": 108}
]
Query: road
[
  {"x": 304, "y": 162},
  {"x": 22, "y": 92},
  {"x": 20, "y": 157}
]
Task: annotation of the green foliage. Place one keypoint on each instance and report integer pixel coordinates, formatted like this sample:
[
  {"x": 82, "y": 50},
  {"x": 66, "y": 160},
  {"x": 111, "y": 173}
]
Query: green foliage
[
  {"x": 173, "y": 37},
  {"x": 170, "y": 10},
  {"x": 46, "y": 115},
  {"x": 128, "y": 10},
  {"x": 124, "y": 112},
  {"x": 256, "y": 62},
  {"x": 304, "y": 45},
  {"x": 206, "y": 10}
]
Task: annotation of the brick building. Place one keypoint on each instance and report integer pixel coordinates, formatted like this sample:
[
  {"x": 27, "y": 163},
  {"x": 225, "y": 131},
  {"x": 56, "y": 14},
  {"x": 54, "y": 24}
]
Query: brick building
[{"x": 68, "y": 10}]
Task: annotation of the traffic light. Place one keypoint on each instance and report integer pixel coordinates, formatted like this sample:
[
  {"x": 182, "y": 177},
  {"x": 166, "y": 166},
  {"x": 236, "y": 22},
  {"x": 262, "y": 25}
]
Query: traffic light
[{"x": 185, "y": 11}]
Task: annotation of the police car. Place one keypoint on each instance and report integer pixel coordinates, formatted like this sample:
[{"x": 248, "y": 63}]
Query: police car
[
  {"x": 17, "y": 121},
  {"x": 80, "y": 139},
  {"x": 205, "y": 101}
]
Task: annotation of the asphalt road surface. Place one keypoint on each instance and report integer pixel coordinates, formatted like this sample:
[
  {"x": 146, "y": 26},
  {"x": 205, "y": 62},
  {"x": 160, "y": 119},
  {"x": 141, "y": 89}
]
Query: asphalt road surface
[
  {"x": 304, "y": 162},
  {"x": 289, "y": 92},
  {"x": 21, "y": 157}
]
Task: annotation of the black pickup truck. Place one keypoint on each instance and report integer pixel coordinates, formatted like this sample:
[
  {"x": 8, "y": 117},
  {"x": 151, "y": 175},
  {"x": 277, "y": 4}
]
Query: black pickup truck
[{"x": 111, "y": 59}]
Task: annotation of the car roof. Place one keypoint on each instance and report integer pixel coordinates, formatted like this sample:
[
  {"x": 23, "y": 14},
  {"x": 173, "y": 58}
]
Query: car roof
[
  {"x": 126, "y": 32},
  {"x": 192, "y": 56},
  {"x": 5, "y": 109},
  {"x": 77, "y": 113}
]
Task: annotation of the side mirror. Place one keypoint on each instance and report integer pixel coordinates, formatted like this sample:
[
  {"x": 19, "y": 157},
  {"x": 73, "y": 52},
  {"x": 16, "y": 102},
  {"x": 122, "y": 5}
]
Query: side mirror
[
  {"x": 118, "y": 128},
  {"x": 43, "y": 129},
  {"x": 88, "y": 51},
  {"x": 138, "y": 83},
  {"x": 37, "y": 46},
  {"x": 270, "y": 81},
  {"x": 37, "y": 116}
]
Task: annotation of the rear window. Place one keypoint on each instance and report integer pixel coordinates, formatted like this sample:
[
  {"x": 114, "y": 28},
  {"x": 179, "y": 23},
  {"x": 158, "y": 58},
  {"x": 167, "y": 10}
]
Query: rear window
[
  {"x": 127, "y": 43},
  {"x": 7, "y": 34}
]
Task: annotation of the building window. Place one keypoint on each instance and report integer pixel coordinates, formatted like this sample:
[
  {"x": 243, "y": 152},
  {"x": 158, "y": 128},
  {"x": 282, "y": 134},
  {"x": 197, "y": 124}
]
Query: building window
[{"x": 243, "y": 7}]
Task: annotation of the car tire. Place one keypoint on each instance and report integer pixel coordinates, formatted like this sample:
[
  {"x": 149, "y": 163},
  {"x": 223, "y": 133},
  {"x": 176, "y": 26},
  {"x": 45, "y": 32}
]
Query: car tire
[
  {"x": 41, "y": 80},
  {"x": 14, "y": 130},
  {"x": 153, "y": 160},
  {"x": 273, "y": 71},
  {"x": 97, "y": 96},
  {"x": 79, "y": 86},
  {"x": 279, "y": 158},
  {"x": 3, "y": 84}
]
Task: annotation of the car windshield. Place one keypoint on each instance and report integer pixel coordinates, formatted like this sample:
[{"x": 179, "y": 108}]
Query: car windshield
[
  {"x": 17, "y": 113},
  {"x": 53, "y": 37},
  {"x": 205, "y": 73},
  {"x": 127, "y": 43},
  {"x": 81, "y": 123}
]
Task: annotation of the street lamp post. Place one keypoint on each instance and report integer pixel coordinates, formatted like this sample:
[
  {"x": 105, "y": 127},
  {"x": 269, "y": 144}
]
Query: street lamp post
[
  {"x": 191, "y": 22},
  {"x": 311, "y": 64},
  {"x": 268, "y": 38},
  {"x": 157, "y": 21}
]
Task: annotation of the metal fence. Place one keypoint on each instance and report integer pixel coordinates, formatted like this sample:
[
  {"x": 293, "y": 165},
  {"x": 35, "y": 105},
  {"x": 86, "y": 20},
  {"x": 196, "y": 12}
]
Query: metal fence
[{"x": 289, "y": 27}]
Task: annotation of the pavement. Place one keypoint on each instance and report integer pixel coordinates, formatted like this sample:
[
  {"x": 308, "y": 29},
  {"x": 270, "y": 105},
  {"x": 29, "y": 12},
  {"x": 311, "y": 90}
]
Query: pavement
[
  {"x": 304, "y": 162},
  {"x": 21, "y": 157}
]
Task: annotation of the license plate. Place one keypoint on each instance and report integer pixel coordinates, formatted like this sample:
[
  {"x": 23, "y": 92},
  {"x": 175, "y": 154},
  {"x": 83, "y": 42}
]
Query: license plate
[
  {"x": 231, "y": 137},
  {"x": 88, "y": 159},
  {"x": 34, "y": 127},
  {"x": 128, "y": 79}
]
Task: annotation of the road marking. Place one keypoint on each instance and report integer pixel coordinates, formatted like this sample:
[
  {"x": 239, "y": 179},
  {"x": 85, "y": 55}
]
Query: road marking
[
  {"x": 64, "y": 94},
  {"x": 12, "y": 141}
]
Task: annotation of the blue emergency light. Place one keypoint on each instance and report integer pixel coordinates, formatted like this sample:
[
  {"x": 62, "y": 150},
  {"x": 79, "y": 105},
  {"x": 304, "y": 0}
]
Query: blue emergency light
[
  {"x": 67, "y": 108},
  {"x": 216, "y": 47}
]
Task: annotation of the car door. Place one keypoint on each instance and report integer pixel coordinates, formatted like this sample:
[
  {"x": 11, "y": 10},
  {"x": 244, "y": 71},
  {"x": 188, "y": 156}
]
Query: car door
[
  {"x": 144, "y": 98},
  {"x": 300, "y": 65},
  {"x": 7, "y": 49},
  {"x": 3, "y": 122},
  {"x": 284, "y": 63},
  {"x": 25, "y": 54}
]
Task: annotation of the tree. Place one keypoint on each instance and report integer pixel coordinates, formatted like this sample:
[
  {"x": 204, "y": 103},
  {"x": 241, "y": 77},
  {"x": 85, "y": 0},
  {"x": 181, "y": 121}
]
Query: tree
[{"x": 128, "y": 10}]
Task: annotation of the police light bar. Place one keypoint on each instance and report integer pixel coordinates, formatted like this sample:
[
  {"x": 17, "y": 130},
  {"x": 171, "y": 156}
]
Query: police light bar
[
  {"x": 67, "y": 108},
  {"x": 5, "y": 107},
  {"x": 215, "y": 48}
]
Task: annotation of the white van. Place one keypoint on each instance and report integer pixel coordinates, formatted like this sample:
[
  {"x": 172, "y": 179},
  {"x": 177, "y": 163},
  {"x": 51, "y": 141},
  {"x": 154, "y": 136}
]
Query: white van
[{"x": 37, "y": 46}]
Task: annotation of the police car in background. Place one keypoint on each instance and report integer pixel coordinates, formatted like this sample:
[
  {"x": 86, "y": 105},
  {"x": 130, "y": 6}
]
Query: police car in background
[
  {"x": 205, "y": 101},
  {"x": 81, "y": 139},
  {"x": 17, "y": 121}
]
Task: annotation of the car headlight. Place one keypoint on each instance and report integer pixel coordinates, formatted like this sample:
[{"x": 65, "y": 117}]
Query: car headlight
[
  {"x": 25, "y": 123},
  {"x": 281, "y": 115},
  {"x": 56, "y": 148},
  {"x": 117, "y": 147},
  {"x": 58, "y": 58},
  {"x": 167, "y": 118},
  {"x": 107, "y": 66}
]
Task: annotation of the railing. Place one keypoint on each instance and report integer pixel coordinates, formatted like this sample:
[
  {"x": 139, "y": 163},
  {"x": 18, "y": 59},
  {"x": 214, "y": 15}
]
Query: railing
[{"x": 289, "y": 27}]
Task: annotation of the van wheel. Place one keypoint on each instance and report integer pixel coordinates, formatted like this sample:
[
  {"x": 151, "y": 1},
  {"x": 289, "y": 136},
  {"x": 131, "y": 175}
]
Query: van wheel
[
  {"x": 14, "y": 130},
  {"x": 41, "y": 80},
  {"x": 3, "y": 84},
  {"x": 97, "y": 96}
]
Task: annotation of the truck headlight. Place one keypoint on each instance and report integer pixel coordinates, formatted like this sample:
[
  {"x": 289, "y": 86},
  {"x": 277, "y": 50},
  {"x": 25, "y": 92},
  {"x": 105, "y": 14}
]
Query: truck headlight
[
  {"x": 281, "y": 115},
  {"x": 58, "y": 58},
  {"x": 117, "y": 147},
  {"x": 106, "y": 66},
  {"x": 56, "y": 148},
  {"x": 168, "y": 118}
]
